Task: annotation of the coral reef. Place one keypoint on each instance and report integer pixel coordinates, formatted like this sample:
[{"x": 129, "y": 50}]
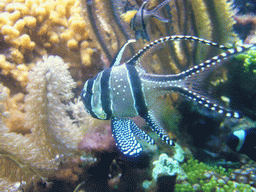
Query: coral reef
[
  {"x": 54, "y": 136},
  {"x": 202, "y": 177},
  {"x": 246, "y": 174},
  {"x": 47, "y": 140},
  {"x": 249, "y": 60},
  {"x": 31, "y": 29},
  {"x": 23, "y": 22},
  {"x": 51, "y": 85},
  {"x": 164, "y": 167}
]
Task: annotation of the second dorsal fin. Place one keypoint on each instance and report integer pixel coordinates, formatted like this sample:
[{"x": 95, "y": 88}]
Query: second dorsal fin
[{"x": 153, "y": 44}]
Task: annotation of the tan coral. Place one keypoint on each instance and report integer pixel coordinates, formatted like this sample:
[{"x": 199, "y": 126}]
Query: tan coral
[
  {"x": 11, "y": 110},
  {"x": 16, "y": 122},
  {"x": 29, "y": 25},
  {"x": 43, "y": 15},
  {"x": 5, "y": 65},
  {"x": 20, "y": 73}
]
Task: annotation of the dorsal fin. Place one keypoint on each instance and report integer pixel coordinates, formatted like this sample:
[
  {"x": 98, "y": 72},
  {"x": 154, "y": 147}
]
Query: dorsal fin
[
  {"x": 137, "y": 56},
  {"x": 116, "y": 61}
]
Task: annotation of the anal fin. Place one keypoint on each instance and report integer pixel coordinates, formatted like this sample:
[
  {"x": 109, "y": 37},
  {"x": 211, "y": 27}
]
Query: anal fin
[{"x": 157, "y": 128}]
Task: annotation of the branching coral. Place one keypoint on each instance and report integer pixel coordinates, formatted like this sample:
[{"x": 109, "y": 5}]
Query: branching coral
[
  {"x": 22, "y": 21},
  {"x": 30, "y": 29}
]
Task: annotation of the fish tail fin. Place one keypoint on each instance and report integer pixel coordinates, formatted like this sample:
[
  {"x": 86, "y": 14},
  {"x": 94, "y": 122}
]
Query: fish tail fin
[
  {"x": 192, "y": 81},
  {"x": 157, "y": 12}
]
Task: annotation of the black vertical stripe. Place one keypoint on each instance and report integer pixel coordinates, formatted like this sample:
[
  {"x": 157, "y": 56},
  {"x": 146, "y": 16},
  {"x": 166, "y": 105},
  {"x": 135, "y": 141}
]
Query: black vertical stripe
[
  {"x": 137, "y": 91},
  {"x": 105, "y": 96},
  {"x": 88, "y": 97}
]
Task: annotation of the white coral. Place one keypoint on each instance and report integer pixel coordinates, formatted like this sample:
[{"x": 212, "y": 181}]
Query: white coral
[{"x": 50, "y": 89}]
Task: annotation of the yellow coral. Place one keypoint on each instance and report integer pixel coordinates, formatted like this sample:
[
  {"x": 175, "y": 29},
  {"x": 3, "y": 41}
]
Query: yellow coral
[
  {"x": 66, "y": 35},
  {"x": 86, "y": 53},
  {"x": 5, "y": 65},
  {"x": 11, "y": 31},
  {"x": 27, "y": 25},
  {"x": 78, "y": 26},
  {"x": 16, "y": 122},
  {"x": 21, "y": 74},
  {"x": 72, "y": 44},
  {"x": 26, "y": 42},
  {"x": 14, "y": 16},
  {"x": 11, "y": 108},
  {"x": 20, "y": 24},
  {"x": 17, "y": 56},
  {"x": 4, "y": 19},
  {"x": 61, "y": 10},
  {"x": 40, "y": 18},
  {"x": 54, "y": 38},
  {"x": 30, "y": 21}
]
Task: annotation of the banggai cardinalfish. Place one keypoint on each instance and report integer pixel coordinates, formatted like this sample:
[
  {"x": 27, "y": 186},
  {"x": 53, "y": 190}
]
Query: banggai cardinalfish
[{"x": 127, "y": 90}]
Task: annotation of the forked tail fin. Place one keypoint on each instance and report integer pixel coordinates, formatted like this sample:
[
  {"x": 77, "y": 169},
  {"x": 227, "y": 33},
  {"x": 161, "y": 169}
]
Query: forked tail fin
[{"x": 191, "y": 84}]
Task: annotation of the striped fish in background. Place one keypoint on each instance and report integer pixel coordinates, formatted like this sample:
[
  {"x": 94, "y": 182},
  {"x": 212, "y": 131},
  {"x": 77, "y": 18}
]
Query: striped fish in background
[{"x": 127, "y": 90}]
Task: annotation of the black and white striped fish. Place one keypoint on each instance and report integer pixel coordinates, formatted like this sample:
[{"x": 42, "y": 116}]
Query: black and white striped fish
[
  {"x": 126, "y": 90},
  {"x": 243, "y": 141},
  {"x": 140, "y": 20}
]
